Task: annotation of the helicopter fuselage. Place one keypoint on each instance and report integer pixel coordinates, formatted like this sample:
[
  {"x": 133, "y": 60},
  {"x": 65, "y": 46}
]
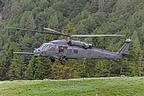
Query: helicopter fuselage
[
  {"x": 64, "y": 49},
  {"x": 59, "y": 48}
]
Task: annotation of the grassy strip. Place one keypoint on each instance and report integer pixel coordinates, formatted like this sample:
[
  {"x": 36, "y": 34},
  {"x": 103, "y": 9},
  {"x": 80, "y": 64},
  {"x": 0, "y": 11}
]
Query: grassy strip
[{"x": 124, "y": 86}]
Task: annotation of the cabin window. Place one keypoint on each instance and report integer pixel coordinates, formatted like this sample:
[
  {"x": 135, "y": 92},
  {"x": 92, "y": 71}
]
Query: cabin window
[
  {"x": 69, "y": 51},
  {"x": 75, "y": 51}
]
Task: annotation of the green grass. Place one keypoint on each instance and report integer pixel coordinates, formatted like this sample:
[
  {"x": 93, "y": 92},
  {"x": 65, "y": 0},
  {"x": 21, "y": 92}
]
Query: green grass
[{"x": 124, "y": 86}]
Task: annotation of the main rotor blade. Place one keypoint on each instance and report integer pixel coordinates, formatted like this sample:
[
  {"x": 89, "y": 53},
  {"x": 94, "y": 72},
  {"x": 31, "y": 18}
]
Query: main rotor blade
[
  {"x": 38, "y": 31},
  {"x": 24, "y": 53},
  {"x": 52, "y": 30},
  {"x": 107, "y": 35}
]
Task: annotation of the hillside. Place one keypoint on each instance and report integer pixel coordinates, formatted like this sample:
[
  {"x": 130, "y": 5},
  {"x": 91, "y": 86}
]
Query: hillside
[
  {"x": 73, "y": 16},
  {"x": 126, "y": 86}
]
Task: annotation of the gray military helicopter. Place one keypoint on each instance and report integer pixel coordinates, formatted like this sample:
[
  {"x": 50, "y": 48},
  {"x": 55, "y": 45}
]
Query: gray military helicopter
[{"x": 73, "y": 49}]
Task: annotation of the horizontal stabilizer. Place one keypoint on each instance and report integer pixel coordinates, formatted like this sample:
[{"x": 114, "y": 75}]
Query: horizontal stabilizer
[
  {"x": 24, "y": 53},
  {"x": 128, "y": 55}
]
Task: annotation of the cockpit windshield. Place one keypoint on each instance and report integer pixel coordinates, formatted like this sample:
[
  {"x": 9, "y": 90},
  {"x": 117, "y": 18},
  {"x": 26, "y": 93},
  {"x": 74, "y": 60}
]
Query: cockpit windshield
[{"x": 47, "y": 46}]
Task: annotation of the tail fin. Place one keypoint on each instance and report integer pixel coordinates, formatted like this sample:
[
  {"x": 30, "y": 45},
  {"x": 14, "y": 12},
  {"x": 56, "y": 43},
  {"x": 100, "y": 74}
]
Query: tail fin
[{"x": 124, "y": 49}]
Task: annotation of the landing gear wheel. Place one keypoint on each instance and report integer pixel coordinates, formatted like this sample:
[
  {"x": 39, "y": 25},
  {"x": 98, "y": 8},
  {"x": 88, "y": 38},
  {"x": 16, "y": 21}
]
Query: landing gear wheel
[
  {"x": 52, "y": 59},
  {"x": 62, "y": 60}
]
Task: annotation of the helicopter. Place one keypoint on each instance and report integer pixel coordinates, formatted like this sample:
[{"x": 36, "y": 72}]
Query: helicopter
[{"x": 74, "y": 49}]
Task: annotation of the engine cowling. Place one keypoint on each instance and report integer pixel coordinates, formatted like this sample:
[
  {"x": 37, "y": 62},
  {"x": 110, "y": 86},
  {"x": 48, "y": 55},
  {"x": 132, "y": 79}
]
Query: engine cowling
[{"x": 79, "y": 44}]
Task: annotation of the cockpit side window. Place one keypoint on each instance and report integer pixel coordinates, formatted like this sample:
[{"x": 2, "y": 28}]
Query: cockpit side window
[
  {"x": 45, "y": 46},
  {"x": 48, "y": 46},
  {"x": 51, "y": 48}
]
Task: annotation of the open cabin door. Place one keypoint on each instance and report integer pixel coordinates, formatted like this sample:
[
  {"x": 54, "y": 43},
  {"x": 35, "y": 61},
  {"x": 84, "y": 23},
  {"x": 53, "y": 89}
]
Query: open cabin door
[{"x": 62, "y": 50}]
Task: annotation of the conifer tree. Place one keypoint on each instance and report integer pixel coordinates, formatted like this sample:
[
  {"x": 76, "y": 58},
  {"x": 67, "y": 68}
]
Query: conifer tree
[
  {"x": 70, "y": 27},
  {"x": 65, "y": 71},
  {"x": 39, "y": 72},
  {"x": 136, "y": 50},
  {"x": 30, "y": 72},
  {"x": 6, "y": 60},
  {"x": 27, "y": 20},
  {"x": 54, "y": 22},
  {"x": 14, "y": 70}
]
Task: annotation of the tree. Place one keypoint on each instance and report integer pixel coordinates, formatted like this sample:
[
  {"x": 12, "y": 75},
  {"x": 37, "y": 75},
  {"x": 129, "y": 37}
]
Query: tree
[
  {"x": 94, "y": 6},
  {"x": 136, "y": 46},
  {"x": 16, "y": 8},
  {"x": 69, "y": 28},
  {"x": 40, "y": 70},
  {"x": 26, "y": 43},
  {"x": 14, "y": 70},
  {"x": 54, "y": 22},
  {"x": 65, "y": 71},
  {"x": 27, "y": 20},
  {"x": 30, "y": 72},
  {"x": 136, "y": 50},
  {"x": 6, "y": 60}
]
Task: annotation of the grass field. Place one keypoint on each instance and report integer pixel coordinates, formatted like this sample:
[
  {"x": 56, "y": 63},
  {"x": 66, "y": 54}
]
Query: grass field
[{"x": 120, "y": 86}]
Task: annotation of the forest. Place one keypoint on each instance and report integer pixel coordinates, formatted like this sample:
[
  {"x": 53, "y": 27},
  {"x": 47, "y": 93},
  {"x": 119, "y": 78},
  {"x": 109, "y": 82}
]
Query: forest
[{"x": 76, "y": 17}]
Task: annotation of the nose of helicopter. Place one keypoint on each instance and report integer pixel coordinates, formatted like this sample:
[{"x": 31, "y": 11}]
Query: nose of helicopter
[
  {"x": 36, "y": 52},
  {"x": 39, "y": 52}
]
